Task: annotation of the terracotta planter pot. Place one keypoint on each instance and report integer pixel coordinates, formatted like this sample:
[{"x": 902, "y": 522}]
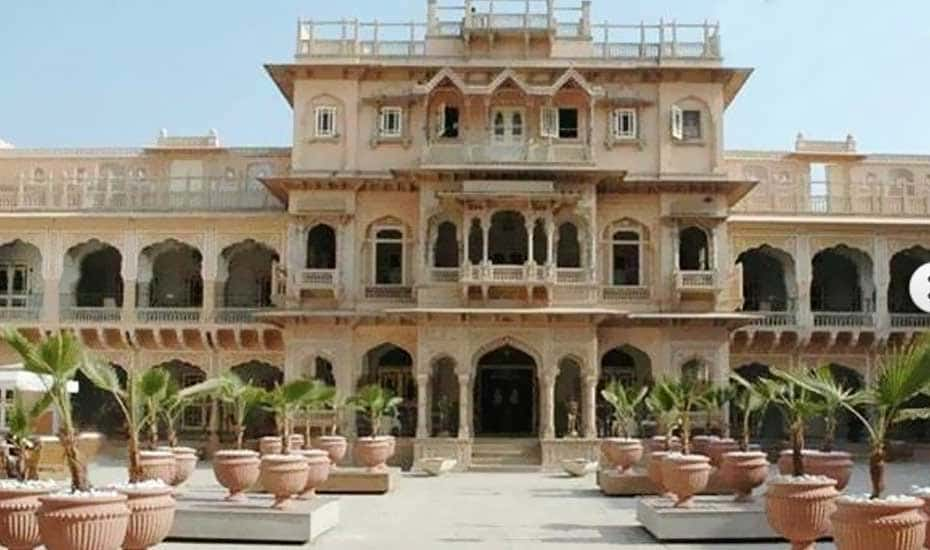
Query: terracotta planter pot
[
  {"x": 284, "y": 476},
  {"x": 151, "y": 513},
  {"x": 19, "y": 528},
  {"x": 373, "y": 453},
  {"x": 654, "y": 470},
  {"x": 236, "y": 471},
  {"x": 88, "y": 522},
  {"x": 270, "y": 445},
  {"x": 743, "y": 472},
  {"x": 700, "y": 443},
  {"x": 334, "y": 445},
  {"x": 657, "y": 443},
  {"x": 685, "y": 476},
  {"x": 717, "y": 447},
  {"x": 185, "y": 462},
  {"x": 392, "y": 443},
  {"x": 319, "y": 465},
  {"x": 622, "y": 453},
  {"x": 924, "y": 496},
  {"x": 296, "y": 442},
  {"x": 836, "y": 465},
  {"x": 898, "y": 525},
  {"x": 800, "y": 512},
  {"x": 158, "y": 465}
]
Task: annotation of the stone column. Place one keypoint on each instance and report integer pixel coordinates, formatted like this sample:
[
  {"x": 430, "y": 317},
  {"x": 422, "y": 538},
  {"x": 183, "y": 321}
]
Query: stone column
[
  {"x": 881, "y": 276},
  {"x": 209, "y": 299},
  {"x": 485, "y": 232},
  {"x": 50, "y": 300},
  {"x": 589, "y": 412},
  {"x": 547, "y": 407},
  {"x": 802, "y": 277},
  {"x": 550, "y": 241},
  {"x": 465, "y": 411},
  {"x": 422, "y": 409},
  {"x": 128, "y": 312},
  {"x": 530, "y": 222}
]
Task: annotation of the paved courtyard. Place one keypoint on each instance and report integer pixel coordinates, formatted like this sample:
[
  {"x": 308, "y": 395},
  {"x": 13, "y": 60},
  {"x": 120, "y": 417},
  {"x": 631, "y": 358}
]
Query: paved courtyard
[{"x": 491, "y": 511}]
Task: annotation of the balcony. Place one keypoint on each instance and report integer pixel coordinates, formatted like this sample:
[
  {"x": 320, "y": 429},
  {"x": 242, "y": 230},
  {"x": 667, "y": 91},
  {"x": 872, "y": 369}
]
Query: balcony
[
  {"x": 548, "y": 20},
  {"x": 696, "y": 281},
  {"x": 169, "y": 314},
  {"x": 775, "y": 319},
  {"x": 18, "y": 308},
  {"x": 236, "y": 315},
  {"x": 625, "y": 293},
  {"x": 135, "y": 195},
  {"x": 910, "y": 320},
  {"x": 843, "y": 319},
  {"x": 456, "y": 154},
  {"x": 91, "y": 314},
  {"x": 389, "y": 293}
]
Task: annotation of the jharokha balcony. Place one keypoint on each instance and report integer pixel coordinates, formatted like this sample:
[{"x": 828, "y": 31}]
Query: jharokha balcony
[{"x": 451, "y": 29}]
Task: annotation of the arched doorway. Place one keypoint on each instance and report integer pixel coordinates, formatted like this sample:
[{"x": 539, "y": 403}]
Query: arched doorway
[
  {"x": 391, "y": 367},
  {"x": 842, "y": 280},
  {"x": 627, "y": 364},
  {"x": 568, "y": 399},
  {"x": 260, "y": 422},
  {"x": 507, "y": 238},
  {"x": 768, "y": 280},
  {"x": 444, "y": 395},
  {"x": 901, "y": 268},
  {"x": 92, "y": 275},
  {"x": 505, "y": 393}
]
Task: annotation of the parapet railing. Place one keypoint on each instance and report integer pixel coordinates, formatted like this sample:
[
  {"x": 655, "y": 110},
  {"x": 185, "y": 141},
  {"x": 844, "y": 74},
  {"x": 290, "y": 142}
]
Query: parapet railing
[
  {"x": 653, "y": 42},
  {"x": 835, "y": 204},
  {"x": 135, "y": 194}
]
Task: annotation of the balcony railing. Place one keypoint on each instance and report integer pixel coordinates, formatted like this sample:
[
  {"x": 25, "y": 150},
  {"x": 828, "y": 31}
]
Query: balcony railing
[
  {"x": 317, "y": 278},
  {"x": 910, "y": 320},
  {"x": 843, "y": 319},
  {"x": 236, "y": 315},
  {"x": 91, "y": 314},
  {"x": 169, "y": 314},
  {"x": 389, "y": 293},
  {"x": 625, "y": 293},
  {"x": 444, "y": 274},
  {"x": 135, "y": 195},
  {"x": 864, "y": 204},
  {"x": 776, "y": 319},
  {"x": 354, "y": 38},
  {"x": 700, "y": 280},
  {"x": 531, "y": 153}
]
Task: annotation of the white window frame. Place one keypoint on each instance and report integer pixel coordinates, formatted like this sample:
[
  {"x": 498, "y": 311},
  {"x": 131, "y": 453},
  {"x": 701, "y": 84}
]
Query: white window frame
[
  {"x": 549, "y": 122},
  {"x": 700, "y": 125},
  {"x": 189, "y": 379},
  {"x": 320, "y": 114},
  {"x": 384, "y": 117},
  {"x": 375, "y": 240},
  {"x": 618, "y": 133},
  {"x": 11, "y": 298},
  {"x": 509, "y": 138},
  {"x": 677, "y": 123},
  {"x": 639, "y": 252}
]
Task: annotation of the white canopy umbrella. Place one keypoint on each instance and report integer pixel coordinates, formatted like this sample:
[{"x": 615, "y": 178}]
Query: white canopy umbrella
[{"x": 15, "y": 377}]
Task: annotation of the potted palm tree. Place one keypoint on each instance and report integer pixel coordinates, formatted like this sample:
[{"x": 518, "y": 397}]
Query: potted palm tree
[
  {"x": 622, "y": 450},
  {"x": 285, "y": 474},
  {"x": 872, "y": 521},
  {"x": 743, "y": 470},
  {"x": 797, "y": 506},
  {"x": 171, "y": 407},
  {"x": 151, "y": 505},
  {"x": 318, "y": 460},
  {"x": 662, "y": 408},
  {"x": 79, "y": 518},
  {"x": 714, "y": 402},
  {"x": 376, "y": 403},
  {"x": 834, "y": 398},
  {"x": 20, "y": 492},
  {"x": 237, "y": 469},
  {"x": 684, "y": 474}
]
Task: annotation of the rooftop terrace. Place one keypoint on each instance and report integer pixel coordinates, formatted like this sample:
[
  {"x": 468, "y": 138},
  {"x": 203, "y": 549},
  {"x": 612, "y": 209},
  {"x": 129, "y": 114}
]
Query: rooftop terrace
[{"x": 567, "y": 23}]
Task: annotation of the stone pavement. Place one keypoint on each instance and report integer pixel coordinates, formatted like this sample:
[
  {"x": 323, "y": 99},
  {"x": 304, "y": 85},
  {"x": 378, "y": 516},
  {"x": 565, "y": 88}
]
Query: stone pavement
[{"x": 497, "y": 511}]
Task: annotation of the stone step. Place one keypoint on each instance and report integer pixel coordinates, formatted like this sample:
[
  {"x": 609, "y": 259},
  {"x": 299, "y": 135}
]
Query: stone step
[
  {"x": 504, "y": 468},
  {"x": 503, "y": 460}
]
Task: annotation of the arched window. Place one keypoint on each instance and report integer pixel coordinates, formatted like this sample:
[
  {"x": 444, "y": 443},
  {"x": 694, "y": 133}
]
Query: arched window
[
  {"x": 626, "y": 259},
  {"x": 446, "y": 247},
  {"x": 569, "y": 250},
  {"x": 389, "y": 256},
  {"x": 693, "y": 249},
  {"x": 321, "y": 247}
]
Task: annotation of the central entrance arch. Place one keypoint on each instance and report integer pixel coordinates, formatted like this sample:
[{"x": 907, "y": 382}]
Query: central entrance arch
[{"x": 506, "y": 394}]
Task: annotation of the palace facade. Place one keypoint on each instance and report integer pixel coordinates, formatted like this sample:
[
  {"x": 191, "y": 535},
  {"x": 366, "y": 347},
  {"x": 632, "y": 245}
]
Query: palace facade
[{"x": 492, "y": 213}]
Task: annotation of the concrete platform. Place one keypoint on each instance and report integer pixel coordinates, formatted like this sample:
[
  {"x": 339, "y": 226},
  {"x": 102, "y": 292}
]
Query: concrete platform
[
  {"x": 716, "y": 518},
  {"x": 205, "y": 516},
  {"x": 359, "y": 481},
  {"x": 637, "y": 483}
]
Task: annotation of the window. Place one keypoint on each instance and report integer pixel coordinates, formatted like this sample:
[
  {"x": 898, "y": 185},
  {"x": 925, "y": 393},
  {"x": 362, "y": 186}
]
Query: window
[
  {"x": 624, "y": 126},
  {"x": 568, "y": 123},
  {"x": 626, "y": 259},
  {"x": 14, "y": 285},
  {"x": 325, "y": 122},
  {"x": 390, "y": 123},
  {"x": 559, "y": 123},
  {"x": 677, "y": 122},
  {"x": 693, "y": 249},
  {"x": 691, "y": 124},
  {"x": 508, "y": 126},
  {"x": 448, "y": 121},
  {"x": 389, "y": 257},
  {"x": 195, "y": 414}
]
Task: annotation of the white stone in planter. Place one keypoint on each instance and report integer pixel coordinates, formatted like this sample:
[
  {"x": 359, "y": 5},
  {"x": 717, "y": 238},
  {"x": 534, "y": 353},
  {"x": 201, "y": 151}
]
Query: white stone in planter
[
  {"x": 437, "y": 466},
  {"x": 578, "y": 467}
]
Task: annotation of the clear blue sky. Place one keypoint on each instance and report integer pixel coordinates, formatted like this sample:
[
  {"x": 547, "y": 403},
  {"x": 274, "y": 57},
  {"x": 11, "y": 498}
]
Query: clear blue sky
[{"x": 113, "y": 72}]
